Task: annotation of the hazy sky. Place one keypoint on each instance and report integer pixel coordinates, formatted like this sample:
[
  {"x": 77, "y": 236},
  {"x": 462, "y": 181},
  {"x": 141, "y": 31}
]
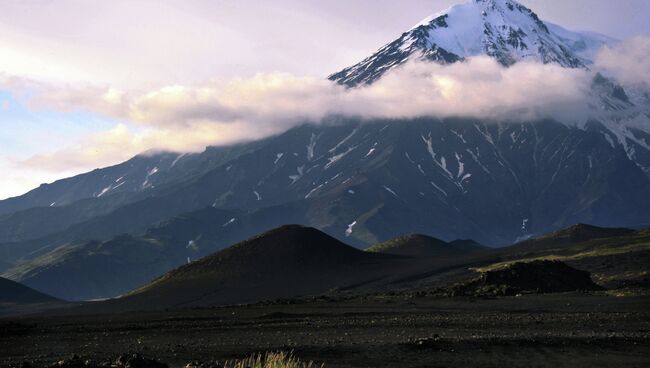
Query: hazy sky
[
  {"x": 142, "y": 44},
  {"x": 162, "y": 42}
]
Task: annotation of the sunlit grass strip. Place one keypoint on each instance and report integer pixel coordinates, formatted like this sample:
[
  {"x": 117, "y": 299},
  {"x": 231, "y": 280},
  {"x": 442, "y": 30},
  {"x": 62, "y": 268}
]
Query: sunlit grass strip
[
  {"x": 598, "y": 252},
  {"x": 271, "y": 360},
  {"x": 627, "y": 293}
]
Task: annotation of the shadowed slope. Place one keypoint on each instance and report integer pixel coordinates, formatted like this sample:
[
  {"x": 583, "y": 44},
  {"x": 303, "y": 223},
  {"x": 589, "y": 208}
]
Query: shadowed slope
[
  {"x": 528, "y": 277},
  {"x": 417, "y": 245},
  {"x": 286, "y": 262},
  {"x": 584, "y": 232},
  {"x": 15, "y": 293},
  {"x": 570, "y": 236}
]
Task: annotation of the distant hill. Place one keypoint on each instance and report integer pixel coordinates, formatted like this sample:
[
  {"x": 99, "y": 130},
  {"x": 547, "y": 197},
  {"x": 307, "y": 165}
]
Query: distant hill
[
  {"x": 418, "y": 245},
  {"x": 285, "y": 262},
  {"x": 569, "y": 236},
  {"x": 95, "y": 269},
  {"x": 616, "y": 257},
  {"x": 293, "y": 261},
  {"x": 14, "y": 293},
  {"x": 583, "y": 232}
]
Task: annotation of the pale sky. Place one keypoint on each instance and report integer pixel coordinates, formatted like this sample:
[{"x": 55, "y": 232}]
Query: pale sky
[{"x": 142, "y": 44}]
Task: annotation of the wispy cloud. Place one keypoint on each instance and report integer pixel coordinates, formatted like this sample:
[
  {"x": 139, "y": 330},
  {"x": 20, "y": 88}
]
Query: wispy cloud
[{"x": 628, "y": 61}]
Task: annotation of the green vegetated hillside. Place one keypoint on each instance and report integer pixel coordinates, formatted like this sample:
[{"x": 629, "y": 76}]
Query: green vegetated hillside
[{"x": 617, "y": 258}]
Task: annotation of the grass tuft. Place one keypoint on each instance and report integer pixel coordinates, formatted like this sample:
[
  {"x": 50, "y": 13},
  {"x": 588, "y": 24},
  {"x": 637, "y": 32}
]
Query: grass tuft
[{"x": 271, "y": 360}]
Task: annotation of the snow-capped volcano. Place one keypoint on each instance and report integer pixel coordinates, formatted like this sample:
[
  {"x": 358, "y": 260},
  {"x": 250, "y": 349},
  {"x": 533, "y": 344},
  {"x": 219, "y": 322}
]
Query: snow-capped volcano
[
  {"x": 511, "y": 33},
  {"x": 503, "y": 29}
]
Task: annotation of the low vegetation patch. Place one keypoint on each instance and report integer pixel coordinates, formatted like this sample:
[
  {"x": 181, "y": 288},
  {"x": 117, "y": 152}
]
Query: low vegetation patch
[
  {"x": 272, "y": 360},
  {"x": 598, "y": 252},
  {"x": 267, "y": 360}
]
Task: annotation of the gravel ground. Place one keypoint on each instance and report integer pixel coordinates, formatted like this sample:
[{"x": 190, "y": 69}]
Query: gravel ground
[{"x": 571, "y": 329}]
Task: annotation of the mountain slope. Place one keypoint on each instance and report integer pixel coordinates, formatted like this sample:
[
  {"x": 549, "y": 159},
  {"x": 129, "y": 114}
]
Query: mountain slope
[
  {"x": 372, "y": 182},
  {"x": 102, "y": 269},
  {"x": 503, "y": 29},
  {"x": 52, "y": 208},
  {"x": 15, "y": 293},
  {"x": 616, "y": 257},
  {"x": 417, "y": 245},
  {"x": 286, "y": 262},
  {"x": 364, "y": 182},
  {"x": 294, "y": 261},
  {"x": 321, "y": 163}
]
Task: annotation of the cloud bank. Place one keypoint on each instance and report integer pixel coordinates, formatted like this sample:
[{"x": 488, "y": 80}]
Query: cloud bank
[
  {"x": 187, "y": 118},
  {"x": 479, "y": 88}
]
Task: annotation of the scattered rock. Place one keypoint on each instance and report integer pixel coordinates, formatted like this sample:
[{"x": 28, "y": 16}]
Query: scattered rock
[
  {"x": 137, "y": 361},
  {"x": 74, "y": 361},
  {"x": 204, "y": 365},
  {"x": 432, "y": 342},
  {"x": 123, "y": 361}
]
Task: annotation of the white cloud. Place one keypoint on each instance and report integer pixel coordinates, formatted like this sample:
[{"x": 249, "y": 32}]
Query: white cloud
[
  {"x": 479, "y": 88},
  {"x": 191, "y": 117},
  {"x": 628, "y": 62}
]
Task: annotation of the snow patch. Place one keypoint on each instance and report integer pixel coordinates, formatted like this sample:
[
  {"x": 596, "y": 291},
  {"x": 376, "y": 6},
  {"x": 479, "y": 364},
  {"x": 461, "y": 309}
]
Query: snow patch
[
  {"x": 461, "y": 165},
  {"x": 336, "y": 158},
  {"x": 295, "y": 178},
  {"x": 311, "y": 146},
  {"x": 354, "y": 131},
  {"x": 442, "y": 163},
  {"x": 104, "y": 191},
  {"x": 178, "y": 158},
  {"x": 192, "y": 245},
  {"x": 146, "y": 183},
  {"x": 336, "y": 176},
  {"x": 440, "y": 189},
  {"x": 313, "y": 191},
  {"x": 475, "y": 157},
  {"x": 374, "y": 146},
  {"x": 348, "y": 232},
  {"x": 408, "y": 157},
  {"x": 277, "y": 158},
  {"x": 390, "y": 191}
]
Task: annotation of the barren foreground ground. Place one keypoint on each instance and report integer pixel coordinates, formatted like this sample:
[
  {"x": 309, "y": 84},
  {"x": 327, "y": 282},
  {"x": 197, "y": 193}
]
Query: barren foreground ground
[{"x": 374, "y": 331}]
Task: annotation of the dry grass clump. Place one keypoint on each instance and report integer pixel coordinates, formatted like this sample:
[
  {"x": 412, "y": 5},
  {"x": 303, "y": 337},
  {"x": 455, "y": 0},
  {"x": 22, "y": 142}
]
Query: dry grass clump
[{"x": 271, "y": 360}]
